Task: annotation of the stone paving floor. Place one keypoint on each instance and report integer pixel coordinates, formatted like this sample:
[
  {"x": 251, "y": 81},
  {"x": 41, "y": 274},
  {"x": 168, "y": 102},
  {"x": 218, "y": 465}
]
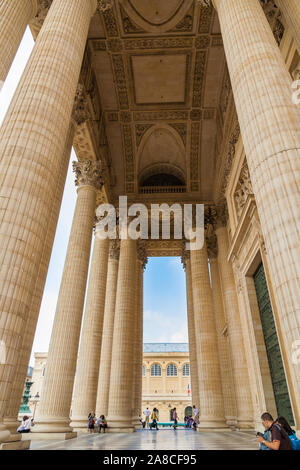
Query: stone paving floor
[{"x": 155, "y": 440}]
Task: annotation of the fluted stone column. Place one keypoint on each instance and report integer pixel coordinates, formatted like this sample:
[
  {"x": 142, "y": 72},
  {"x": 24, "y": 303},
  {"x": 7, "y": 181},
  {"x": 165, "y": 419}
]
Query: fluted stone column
[
  {"x": 32, "y": 140},
  {"x": 121, "y": 377},
  {"x": 56, "y": 395},
  {"x": 103, "y": 389},
  {"x": 138, "y": 336},
  {"x": 87, "y": 372},
  {"x": 14, "y": 18},
  {"x": 238, "y": 358},
  {"x": 209, "y": 376},
  {"x": 223, "y": 346},
  {"x": 12, "y": 409},
  {"x": 191, "y": 329},
  {"x": 291, "y": 12},
  {"x": 269, "y": 122}
]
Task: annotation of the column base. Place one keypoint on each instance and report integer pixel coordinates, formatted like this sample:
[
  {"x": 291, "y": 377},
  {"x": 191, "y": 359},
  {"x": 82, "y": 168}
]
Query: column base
[
  {"x": 245, "y": 425},
  {"x": 212, "y": 425},
  {"x": 49, "y": 436},
  {"x": 19, "y": 445},
  {"x": 79, "y": 425},
  {"x": 52, "y": 426},
  {"x": 120, "y": 430},
  {"x": 120, "y": 424}
]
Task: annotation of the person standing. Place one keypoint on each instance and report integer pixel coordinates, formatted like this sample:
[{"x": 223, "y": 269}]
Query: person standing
[
  {"x": 147, "y": 416},
  {"x": 154, "y": 419},
  {"x": 91, "y": 423},
  {"x": 175, "y": 419}
]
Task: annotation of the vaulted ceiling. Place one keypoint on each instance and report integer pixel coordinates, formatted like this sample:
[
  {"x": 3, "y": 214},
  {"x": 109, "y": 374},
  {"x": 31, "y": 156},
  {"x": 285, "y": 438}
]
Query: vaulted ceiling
[{"x": 161, "y": 74}]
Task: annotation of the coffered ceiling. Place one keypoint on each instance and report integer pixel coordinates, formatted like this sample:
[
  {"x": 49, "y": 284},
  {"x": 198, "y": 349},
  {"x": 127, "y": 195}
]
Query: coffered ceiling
[{"x": 161, "y": 74}]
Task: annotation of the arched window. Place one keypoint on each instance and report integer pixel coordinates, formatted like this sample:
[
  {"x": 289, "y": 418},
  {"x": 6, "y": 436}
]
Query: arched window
[
  {"x": 155, "y": 370},
  {"x": 186, "y": 370},
  {"x": 143, "y": 371},
  {"x": 171, "y": 370}
]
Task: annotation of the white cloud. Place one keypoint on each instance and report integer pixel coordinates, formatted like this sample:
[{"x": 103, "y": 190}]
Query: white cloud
[{"x": 161, "y": 329}]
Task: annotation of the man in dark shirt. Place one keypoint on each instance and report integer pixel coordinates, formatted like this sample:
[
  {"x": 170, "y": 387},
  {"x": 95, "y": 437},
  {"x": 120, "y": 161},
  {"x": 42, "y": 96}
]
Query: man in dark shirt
[{"x": 279, "y": 440}]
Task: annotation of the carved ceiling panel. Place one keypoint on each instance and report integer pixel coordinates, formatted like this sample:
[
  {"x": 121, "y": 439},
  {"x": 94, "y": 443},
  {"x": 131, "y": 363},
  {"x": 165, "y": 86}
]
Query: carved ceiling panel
[{"x": 160, "y": 65}]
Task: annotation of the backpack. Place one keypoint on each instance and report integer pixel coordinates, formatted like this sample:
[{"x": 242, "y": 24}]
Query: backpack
[{"x": 294, "y": 441}]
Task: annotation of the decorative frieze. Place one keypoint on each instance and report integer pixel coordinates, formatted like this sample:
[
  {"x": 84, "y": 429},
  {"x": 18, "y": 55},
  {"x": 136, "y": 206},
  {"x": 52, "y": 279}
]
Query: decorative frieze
[
  {"x": 80, "y": 109},
  {"x": 194, "y": 155},
  {"x": 199, "y": 78},
  {"x": 88, "y": 173},
  {"x": 230, "y": 155},
  {"x": 243, "y": 189},
  {"x": 110, "y": 23},
  {"x": 205, "y": 16},
  {"x": 158, "y": 43},
  {"x": 140, "y": 130},
  {"x": 181, "y": 128},
  {"x": 160, "y": 115},
  {"x": 120, "y": 80},
  {"x": 129, "y": 157}
]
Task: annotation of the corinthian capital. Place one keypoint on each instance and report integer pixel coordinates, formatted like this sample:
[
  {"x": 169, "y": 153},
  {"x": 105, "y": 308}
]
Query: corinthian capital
[
  {"x": 114, "y": 249},
  {"x": 88, "y": 173},
  {"x": 222, "y": 215},
  {"x": 43, "y": 7},
  {"x": 204, "y": 3},
  {"x": 104, "y": 5},
  {"x": 186, "y": 255},
  {"x": 142, "y": 253}
]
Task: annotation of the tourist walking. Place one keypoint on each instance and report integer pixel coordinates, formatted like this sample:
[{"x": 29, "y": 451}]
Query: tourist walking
[
  {"x": 154, "y": 418},
  {"x": 147, "y": 417},
  {"x": 91, "y": 423},
  {"x": 175, "y": 419}
]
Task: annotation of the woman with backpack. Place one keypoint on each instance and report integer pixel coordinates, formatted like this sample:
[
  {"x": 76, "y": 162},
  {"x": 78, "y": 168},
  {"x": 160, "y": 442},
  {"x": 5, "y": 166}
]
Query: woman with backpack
[{"x": 290, "y": 432}]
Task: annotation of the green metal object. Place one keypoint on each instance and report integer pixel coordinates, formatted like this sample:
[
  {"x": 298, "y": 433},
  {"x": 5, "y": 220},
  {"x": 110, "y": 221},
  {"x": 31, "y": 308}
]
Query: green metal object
[
  {"x": 24, "y": 408},
  {"x": 278, "y": 378}
]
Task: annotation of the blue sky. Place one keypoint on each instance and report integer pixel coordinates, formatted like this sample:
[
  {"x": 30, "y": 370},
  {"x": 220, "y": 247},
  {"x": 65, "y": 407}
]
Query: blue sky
[{"x": 164, "y": 278}]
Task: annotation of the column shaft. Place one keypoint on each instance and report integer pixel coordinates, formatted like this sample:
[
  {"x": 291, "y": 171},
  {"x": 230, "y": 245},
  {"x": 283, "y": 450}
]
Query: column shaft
[
  {"x": 87, "y": 372},
  {"x": 13, "y": 405},
  {"x": 223, "y": 347},
  {"x": 291, "y": 12},
  {"x": 209, "y": 377},
  {"x": 56, "y": 395},
  {"x": 103, "y": 389},
  {"x": 192, "y": 335},
  {"x": 14, "y": 18},
  {"x": 32, "y": 140},
  {"x": 138, "y": 349},
  {"x": 121, "y": 377},
  {"x": 269, "y": 122},
  {"x": 238, "y": 357}
]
